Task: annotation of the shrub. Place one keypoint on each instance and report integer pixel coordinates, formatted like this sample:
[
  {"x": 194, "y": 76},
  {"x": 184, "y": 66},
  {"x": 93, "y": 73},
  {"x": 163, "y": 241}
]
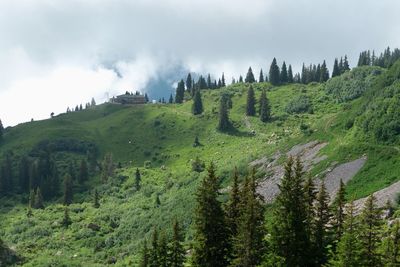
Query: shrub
[{"x": 300, "y": 104}]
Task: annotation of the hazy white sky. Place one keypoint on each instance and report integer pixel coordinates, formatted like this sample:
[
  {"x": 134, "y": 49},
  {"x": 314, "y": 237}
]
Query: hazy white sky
[{"x": 59, "y": 53}]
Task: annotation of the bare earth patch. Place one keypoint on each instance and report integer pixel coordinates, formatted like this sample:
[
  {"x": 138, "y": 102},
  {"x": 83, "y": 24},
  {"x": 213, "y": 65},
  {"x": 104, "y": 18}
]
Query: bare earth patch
[{"x": 382, "y": 196}]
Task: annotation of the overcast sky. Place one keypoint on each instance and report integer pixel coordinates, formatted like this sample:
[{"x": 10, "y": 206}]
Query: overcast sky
[{"x": 59, "y": 53}]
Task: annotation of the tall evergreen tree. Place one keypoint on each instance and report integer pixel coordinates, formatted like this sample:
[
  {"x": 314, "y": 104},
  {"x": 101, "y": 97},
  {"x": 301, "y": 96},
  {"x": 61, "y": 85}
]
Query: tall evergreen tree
[
  {"x": 223, "y": 122},
  {"x": 284, "y": 73},
  {"x": 223, "y": 84},
  {"x": 96, "y": 202},
  {"x": 240, "y": 79},
  {"x": 189, "y": 84},
  {"x": 321, "y": 225},
  {"x": 391, "y": 255},
  {"x": 171, "y": 99},
  {"x": 180, "y": 92},
  {"x": 146, "y": 98},
  {"x": 32, "y": 199},
  {"x": 289, "y": 236},
  {"x": 274, "y": 73},
  {"x": 370, "y": 235},
  {"x": 324, "y": 73},
  {"x": 177, "y": 251},
  {"x": 336, "y": 70},
  {"x": 265, "y": 110},
  {"x": 338, "y": 210},
  {"x": 290, "y": 74},
  {"x": 248, "y": 245},
  {"x": 38, "y": 199},
  {"x": 138, "y": 179},
  {"x": 83, "y": 172},
  {"x": 346, "y": 66},
  {"x": 210, "y": 243},
  {"x": 162, "y": 252},
  {"x": 251, "y": 102},
  {"x": 310, "y": 195},
  {"x": 250, "y": 76},
  {"x": 197, "y": 107},
  {"x": 66, "y": 220},
  {"x": 153, "y": 254},
  {"x": 144, "y": 260},
  {"x": 68, "y": 194},
  {"x": 261, "y": 77}
]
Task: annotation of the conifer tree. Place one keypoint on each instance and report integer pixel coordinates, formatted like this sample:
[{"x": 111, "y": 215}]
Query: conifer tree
[
  {"x": 66, "y": 220},
  {"x": 310, "y": 194},
  {"x": 209, "y": 83},
  {"x": 290, "y": 75},
  {"x": 171, "y": 99},
  {"x": 240, "y": 79},
  {"x": 265, "y": 110},
  {"x": 289, "y": 236},
  {"x": 32, "y": 198},
  {"x": 93, "y": 102},
  {"x": 336, "y": 70},
  {"x": 96, "y": 203},
  {"x": 1, "y": 130},
  {"x": 338, "y": 210},
  {"x": 210, "y": 243},
  {"x": 341, "y": 69},
  {"x": 197, "y": 107},
  {"x": 107, "y": 167},
  {"x": 162, "y": 252},
  {"x": 321, "y": 225},
  {"x": 250, "y": 76},
  {"x": 261, "y": 77},
  {"x": 189, "y": 84},
  {"x": 83, "y": 172},
  {"x": 180, "y": 91},
  {"x": 68, "y": 195},
  {"x": 38, "y": 199},
  {"x": 223, "y": 122},
  {"x": 223, "y": 84},
  {"x": 153, "y": 253},
  {"x": 138, "y": 179},
  {"x": 144, "y": 261},
  {"x": 248, "y": 244},
  {"x": 370, "y": 232},
  {"x": 177, "y": 251},
  {"x": 251, "y": 101},
  {"x": 146, "y": 98},
  {"x": 284, "y": 73},
  {"x": 274, "y": 73},
  {"x": 391, "y": 248},
  {"x": 346, "y": 66},
  {"x": 324, "y": 73}
]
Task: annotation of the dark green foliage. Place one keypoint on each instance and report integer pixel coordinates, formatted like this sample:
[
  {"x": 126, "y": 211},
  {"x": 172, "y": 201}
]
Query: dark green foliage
[
  {"x": 391, "y": 245},
  {"x": 248, "y": 244},
  {"x": 162, "y": 251},
  {"x": 107, "y": 167},
  {"x": 223, "y": 84},
  {"x": 138, "y": 179},
  {"x": 289, "y": 234},
  {"x": 336, "y": 70},
  {"x": 322, "y": 218},
  {"x": 196, "y": 142},
  {"x": 284, "y": 73},
  {"x": 171, "y": 99},
  {"x": 154, "y": 260},
  {"x": 301, "y": 104},
  {"x": 210, "y": 237},
  {"x": 146, "y": 98},
  {"x": 68, "y": 193},
  {"x": 176, "y": 249},
  {"x": 223, "y": 122},
  {"x": 180, "y": 91},
  {"x": 189, "y": 84},
  {"x": 157, "y": 200},
  {"x": 197, "y": 107},
  {"x": 251, "y": 102},
  {"x": 274, "y": 73},
  {"x": 265, "y": 110},
  {"x": 96, "y": 203},
  {"x": 24, "y": 174},
  {"x": 250, "y": 76},
  {"x": 6, "y": 175},
  {"x": 290, "y": 75},
  {"x": 1, "y": 130},
  {"x": 66, "y": 220},
  {"x": 198, "y": 165},
  {"x": 338, "y": 211},
  {"x": 385, "y": 60},
  {"x": 310, "y": 196},
  {"x": 144, "y": 261},
  {"x": 324, "y": 73},
  {"x": 7, "y": 256},
  {"x": 32, "y": 199},
  {"x": 261, "y": 77},
  {"x": 83, "y": 172},
  {"x": 38, "y": 204}
]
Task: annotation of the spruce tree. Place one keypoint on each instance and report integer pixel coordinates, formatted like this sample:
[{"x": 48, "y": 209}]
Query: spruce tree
[
  {"x": 180, "y": 92},
  {"x": 321, "y": 225},
  {"x": 171, "y": 99},
  {"x": 1, "y": 130},
  {"x": 346, "y": 66},
  {"x": 223, "y": 122},
  {"x": 274, "y": 73},
  {"x": 370, "y": 234},
  {"x": 251, "y": 101},
  {"x": 324, "y": 73},
  {"x": 284, "y": 73},
  {"x": 261, "y": 77},
  {"x": 162, "y": 251},
  {"x": 250, "y": 76},
  {"x": 210, "y": 238},
  {"x": 310, "y": 195},
  {"x": 177, "y": 251},
  {"x": 336, "y": 70},
  {"x": 338, "y": 210},
  {"x": 391, "y": 248},
  {"x": 146, "y": 98},
  {"x": 38, "y": 199},
  {"x": 289, "y": 236},
  {"x": 66, "y": 220},
  {"x": 197, "y": 107},
  {"x": 189, "y": 84},
  {"x": 265, "y": 110},
  {"x": 153, "y": 253},
  {"x": 32, "y": 199},
  {"x": 68, "y": 195},
  {"x": 144, "y": 260},
  {"x": 138, "y": 179},
  {"x": 96, "y": 203},
  {"x": 223, "y": 84},
  {"x": 290, "y": 75},
  {"x": 83, "y": 172},
  {"x": 240, "y": 79},
  {"x": 248, "y": 244}
]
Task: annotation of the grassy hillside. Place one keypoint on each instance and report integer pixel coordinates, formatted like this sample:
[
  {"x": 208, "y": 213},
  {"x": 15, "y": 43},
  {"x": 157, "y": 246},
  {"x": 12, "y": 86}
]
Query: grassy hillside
[{"x": 161, "y": 136}]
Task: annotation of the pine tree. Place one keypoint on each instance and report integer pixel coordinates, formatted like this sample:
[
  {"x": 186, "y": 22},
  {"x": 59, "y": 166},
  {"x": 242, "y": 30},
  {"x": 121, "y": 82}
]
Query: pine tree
[
  {"x": 223, "y": 84},
  {"x": 346, "y": 66},
  {"x": 138, "y": 179},
  {"x": 153, "y": 253},
  {"x": 251, "y": 101},
  {"x": 96, "y": 203},
  {"x": 284, "y": 74},
  {"x": 338, "y": 211},
  {"x": 177, "y": 251},
  {"x": 171, "y": 99},
  {"x": 162, "y": 251},
  {"x": 240, "y": 79},
  {"x": 370, "y": 232},
  {"x": 274, "y": 73},
  {"x": 324, "y": 73},
  {"x": 189, "y": 85},
  {"x": 66, "y": 220},
  {"x": 248, "y": 244},
  {"x": 180, "y": 91},
  {"x": 290, "y": 75},
  {"x": 83, "y": 172},
  {"x": 261, "y": 78},
  {"x": 265, "y": 110},
  {"x": 336, "y": 70},
  {"x": 210, "y": 243},
  {"x": 197, "y": 107},
  {"x": 223, "y": 122},
  {"x": 321, "y": 225},
  {"x": 209, "y": 83},
  {"x": 289, "y": 236},
  {"x": 250, "y": 76},
  {"x": 1, "y": 130},
  {"x": 68, "y": 195},
  {"x": 144, "y": 261},
  {"x": 38, "y": 199}
]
